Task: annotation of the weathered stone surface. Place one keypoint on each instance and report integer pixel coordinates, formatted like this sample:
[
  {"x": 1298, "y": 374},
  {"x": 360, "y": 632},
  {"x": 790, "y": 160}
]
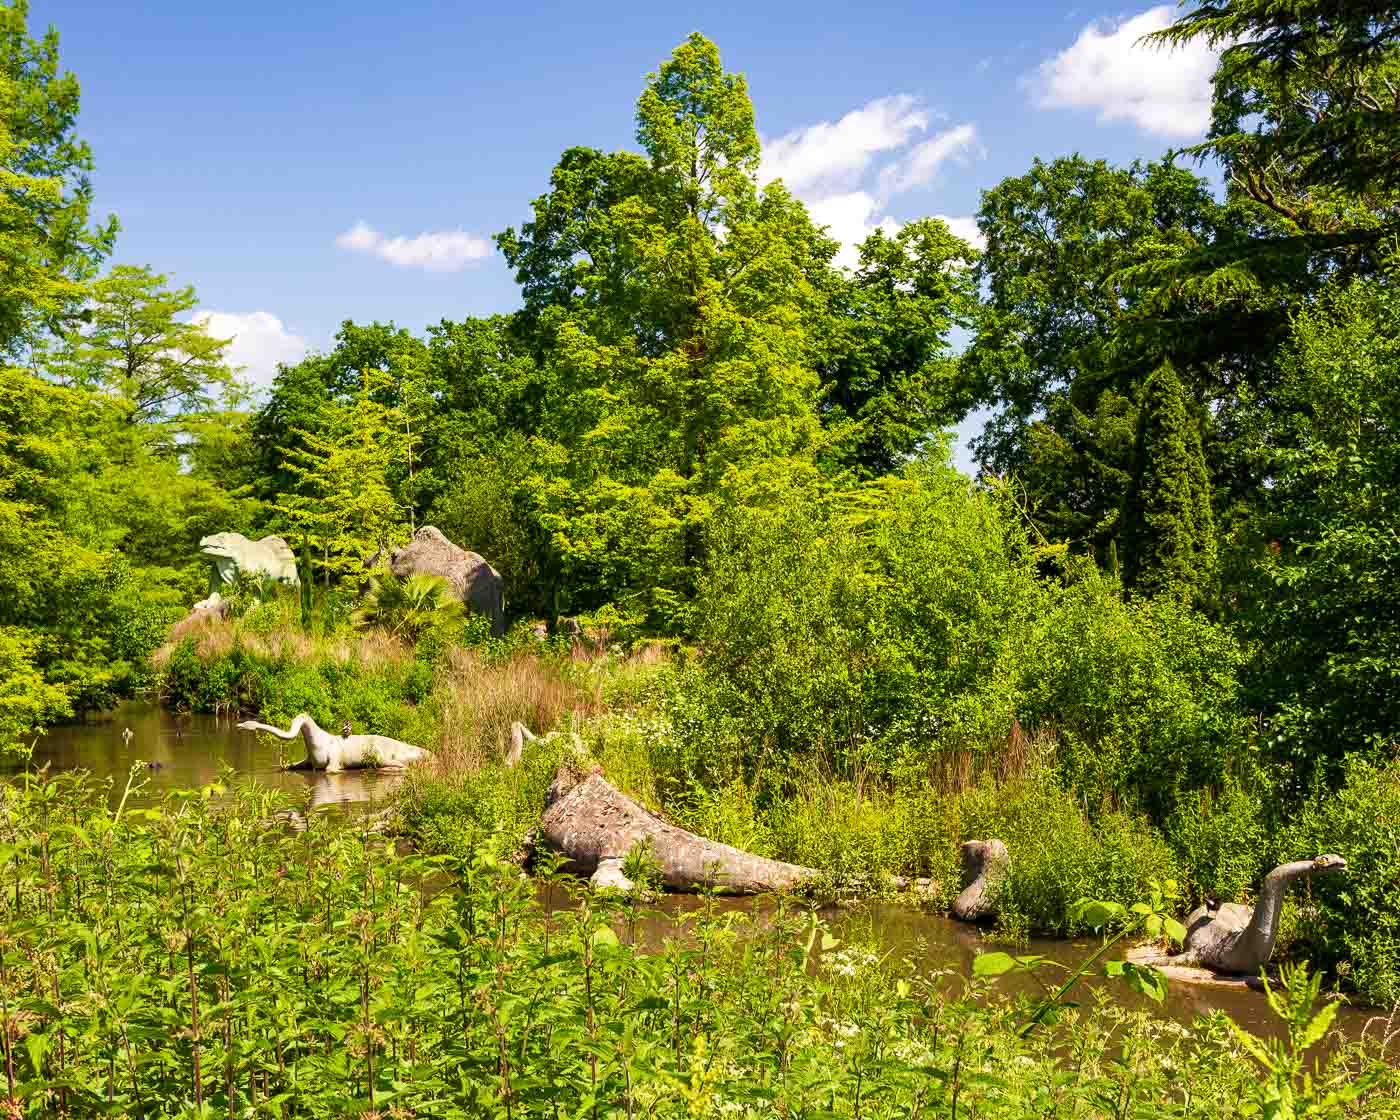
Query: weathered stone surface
[
  {"x": 1234, "y": 939},
  {"x": 473, "y": 580},
  {"x": 326, "y": 751},
  {"x": 595, "y": 825},
  {"x": 985, "y": 865},
  {"x": 231, "y": 553}
]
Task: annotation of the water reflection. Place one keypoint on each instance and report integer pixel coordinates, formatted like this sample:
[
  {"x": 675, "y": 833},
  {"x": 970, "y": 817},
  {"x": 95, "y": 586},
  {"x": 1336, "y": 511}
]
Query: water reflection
[{"x": 188, "y": 751}]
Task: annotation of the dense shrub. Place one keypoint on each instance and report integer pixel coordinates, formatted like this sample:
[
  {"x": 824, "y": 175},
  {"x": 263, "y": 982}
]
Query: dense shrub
[
  {"x": 1057, "y": 856},
  {"x": 1352, "y": 922},
  {"x": 1223, "y": 842},
  {"x": 1141, "y": 696}
]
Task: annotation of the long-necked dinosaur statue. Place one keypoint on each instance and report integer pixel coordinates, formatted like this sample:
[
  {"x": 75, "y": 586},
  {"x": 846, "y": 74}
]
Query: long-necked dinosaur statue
[
  {"x": 1235, "y": 939},
  {"x": 327, "y": 751}
]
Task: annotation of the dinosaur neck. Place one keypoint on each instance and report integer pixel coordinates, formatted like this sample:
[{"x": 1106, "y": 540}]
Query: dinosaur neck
[
  {"x": 316, "y": 738},
  {"x": 1262, "y": 930}
]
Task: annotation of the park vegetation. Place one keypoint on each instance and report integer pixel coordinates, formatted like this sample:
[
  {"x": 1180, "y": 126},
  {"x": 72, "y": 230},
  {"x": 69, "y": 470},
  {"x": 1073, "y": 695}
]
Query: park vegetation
[{"x": 1156, "y": 639}]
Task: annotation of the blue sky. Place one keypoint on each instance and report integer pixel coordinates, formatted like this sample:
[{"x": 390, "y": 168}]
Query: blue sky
[{"x": 305, "y": 163}]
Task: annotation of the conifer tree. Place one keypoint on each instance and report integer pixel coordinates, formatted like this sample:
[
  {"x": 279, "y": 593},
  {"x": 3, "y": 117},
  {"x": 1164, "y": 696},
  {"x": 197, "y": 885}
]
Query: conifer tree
[{"x": 1168, "y": 529}]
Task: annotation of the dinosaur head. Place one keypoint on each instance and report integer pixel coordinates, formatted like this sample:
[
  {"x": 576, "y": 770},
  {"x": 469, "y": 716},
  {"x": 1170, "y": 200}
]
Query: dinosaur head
[
  {"x": 1325, "y": 864},
  {"x": 220, "y": 546}
]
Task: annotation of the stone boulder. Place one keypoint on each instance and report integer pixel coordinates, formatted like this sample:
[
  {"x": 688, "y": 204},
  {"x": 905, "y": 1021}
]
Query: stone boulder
[
  {"x": 472, "y": 579},
  {"x": 231, "y": 553}
]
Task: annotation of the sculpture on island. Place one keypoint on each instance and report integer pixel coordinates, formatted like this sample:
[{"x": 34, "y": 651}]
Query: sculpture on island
[
  {"x": 473, "y": 580},
  {"x": 986, "y": 863},
  {"x": 231, "y": 553},
  {"x": 1237, "y": 939},
  {"x": 595, "y": 825},
  {"x": 328, "y": 751}
]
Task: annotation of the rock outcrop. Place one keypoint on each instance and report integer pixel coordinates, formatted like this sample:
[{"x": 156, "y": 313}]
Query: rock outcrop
[{"x": 472, "y": 579}]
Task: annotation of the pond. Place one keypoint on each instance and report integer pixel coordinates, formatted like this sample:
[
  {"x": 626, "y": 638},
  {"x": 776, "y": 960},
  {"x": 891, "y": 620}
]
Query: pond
[
  {"x": 193, "y": 750},
  {"x": 189, "y": 751}
]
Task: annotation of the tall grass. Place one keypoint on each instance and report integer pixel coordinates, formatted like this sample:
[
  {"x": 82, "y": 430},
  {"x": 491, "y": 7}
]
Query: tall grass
[{"x": 187, "y": 960}]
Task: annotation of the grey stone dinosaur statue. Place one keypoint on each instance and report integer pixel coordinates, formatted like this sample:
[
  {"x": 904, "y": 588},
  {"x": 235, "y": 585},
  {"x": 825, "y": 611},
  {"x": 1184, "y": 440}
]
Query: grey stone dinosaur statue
[
  {"x": 231, "y": 553},
  {"x": 986, "y": 863},
  {"x": 328, "y": 751},
  {"x": 1239, "y": 939}
]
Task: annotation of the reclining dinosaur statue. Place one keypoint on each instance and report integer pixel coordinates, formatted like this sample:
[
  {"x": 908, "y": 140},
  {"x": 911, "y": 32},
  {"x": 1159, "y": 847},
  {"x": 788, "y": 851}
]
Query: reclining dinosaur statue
[
  {"x": 327, "y": 751},
  {"x": 596, "y": 825},
  {"x": 1235, "y": 939}
]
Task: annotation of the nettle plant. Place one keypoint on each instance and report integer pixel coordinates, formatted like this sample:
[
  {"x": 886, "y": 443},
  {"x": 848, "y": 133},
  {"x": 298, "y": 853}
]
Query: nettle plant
[{"x": 191, "y": 958}]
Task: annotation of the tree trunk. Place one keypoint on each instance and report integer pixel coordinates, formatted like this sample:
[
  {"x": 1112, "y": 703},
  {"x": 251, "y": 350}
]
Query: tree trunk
[{"x": 594, "y": 823}]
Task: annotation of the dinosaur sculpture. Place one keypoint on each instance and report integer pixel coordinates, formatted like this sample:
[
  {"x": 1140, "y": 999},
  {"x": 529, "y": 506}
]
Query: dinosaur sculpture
[
  {"x": 986, "y": 864},
  {"x": 1231, "y": 938},
  {"x": 596, "y": 826},
  {"x": 327, "y": 751},
  {"x": 231, "y": 553}
]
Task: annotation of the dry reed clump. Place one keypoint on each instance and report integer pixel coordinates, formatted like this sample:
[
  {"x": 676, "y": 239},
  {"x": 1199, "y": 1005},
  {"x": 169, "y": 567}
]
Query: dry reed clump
[
  {"x": 478, "y": 700},
  {"x": 216, "y": 637},
  {"x": 953, "y": 771}
]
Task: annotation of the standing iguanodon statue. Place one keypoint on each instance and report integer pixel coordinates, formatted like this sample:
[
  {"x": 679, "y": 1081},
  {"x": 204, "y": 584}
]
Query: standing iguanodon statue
[{"x": 231, "y": 553}]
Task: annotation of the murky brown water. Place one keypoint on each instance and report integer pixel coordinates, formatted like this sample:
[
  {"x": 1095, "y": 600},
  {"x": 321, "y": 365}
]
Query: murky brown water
[
  {"x": 191, "y": 751},
  {"x": 185, "y": 752}
]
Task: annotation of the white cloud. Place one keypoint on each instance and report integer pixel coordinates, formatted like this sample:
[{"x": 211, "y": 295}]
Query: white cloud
[
  {"x": 850, "y": 218},
  {"x": 847, "y": 171},
  {"x": 919, "y": 167},
  {"x": 443, "y": 251},
  {"x": 966, "y": 228},
  {"x": 260, "y": 341},
  {"x": 833, "y": 153},
  {"x": 1162, "y": 90}
]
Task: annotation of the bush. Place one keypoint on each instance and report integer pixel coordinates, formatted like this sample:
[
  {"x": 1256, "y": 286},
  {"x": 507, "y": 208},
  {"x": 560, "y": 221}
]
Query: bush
[
  {"x": 1141, "y": 696},
  {"x": 860, "y": 632},
  {"x": 1222, "y": 841},
  {"x": 1057, "y": 856},
  {"x": 1352, "y": 921}
]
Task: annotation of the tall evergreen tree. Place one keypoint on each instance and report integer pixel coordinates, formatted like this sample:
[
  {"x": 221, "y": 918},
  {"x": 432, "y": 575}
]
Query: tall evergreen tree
[{"x": 1168, "y": 529}]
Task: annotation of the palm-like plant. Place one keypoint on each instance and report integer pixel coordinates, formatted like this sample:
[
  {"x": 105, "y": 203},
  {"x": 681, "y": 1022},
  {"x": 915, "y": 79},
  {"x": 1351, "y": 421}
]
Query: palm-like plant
[{"x": 406, "y": 607}]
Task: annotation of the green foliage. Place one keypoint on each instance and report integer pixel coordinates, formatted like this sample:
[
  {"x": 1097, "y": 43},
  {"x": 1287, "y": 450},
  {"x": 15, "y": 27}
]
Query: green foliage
[
  {"x": 1142, "y": 697},
  {"x": 1058, "y": 856},
  {"x": 674, "y": 355},
  {"x": 1064, "y": 343},
  {"x": 1289, "y": 1087},
  {"x": 862, "y": 629},
  {"x": 231, "y": 967},
  {"x": 889, "y": 380},
  {"x": 1223, "y": 840},
  {"x": 404, "y": 608},
  {"x": 27, "y": 701},
  {"x": 1327, "y": 667},
  {"x": 377, "y": 695},
  {"x": 1168, "y": 529},
  {"x": 47, "y": 247},
  {"x": 132, "y": 345},
  {"x": 343, "y": 500},
  {"x": 1353, "y": 925}
]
